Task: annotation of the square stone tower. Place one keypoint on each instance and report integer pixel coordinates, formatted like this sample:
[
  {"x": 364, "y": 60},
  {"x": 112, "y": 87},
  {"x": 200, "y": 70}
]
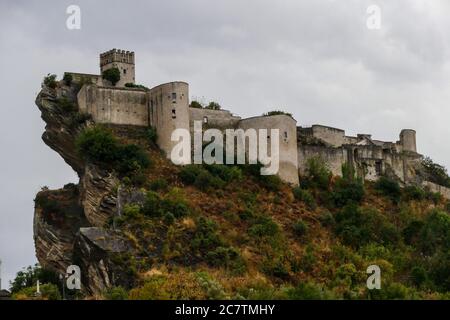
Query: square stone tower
[{"x": 122, "y": 60}]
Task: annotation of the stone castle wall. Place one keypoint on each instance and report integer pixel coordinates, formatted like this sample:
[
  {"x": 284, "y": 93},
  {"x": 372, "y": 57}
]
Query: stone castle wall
[
  {"x": 114, "y": 105},
  {"x": 288, "y": 161}
]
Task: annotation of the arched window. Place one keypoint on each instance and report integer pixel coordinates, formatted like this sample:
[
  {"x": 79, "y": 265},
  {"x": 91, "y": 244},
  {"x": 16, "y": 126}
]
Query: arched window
[{"x": 205, "y": 119}]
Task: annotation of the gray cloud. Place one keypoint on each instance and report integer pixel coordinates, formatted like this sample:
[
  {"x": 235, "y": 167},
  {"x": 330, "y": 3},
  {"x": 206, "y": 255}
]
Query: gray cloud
[{"x": 313, "y": 58}]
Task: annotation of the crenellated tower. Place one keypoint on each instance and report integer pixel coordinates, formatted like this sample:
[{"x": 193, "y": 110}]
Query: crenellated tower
[{"x": 122, "y": 60}]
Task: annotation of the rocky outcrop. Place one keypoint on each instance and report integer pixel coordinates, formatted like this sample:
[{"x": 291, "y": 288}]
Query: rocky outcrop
[
  {"x": 70, "y": 224},
  {"x": 99, "y": 253}
]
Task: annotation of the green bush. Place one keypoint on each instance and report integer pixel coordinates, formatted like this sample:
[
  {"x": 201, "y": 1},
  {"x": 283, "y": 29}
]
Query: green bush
[
  {"x": 300, "y": 228},
  {"x": 50, "y": 81},
  {"x": 136, "y": 86},
  {"x": 159, "y": 184},
  {"x": 326, "y": 219},
  {"x": 308, "y": 291},
  {"x": 68, "y": 78},
  {"x": 436, "y": 173},
  {"x": 112, "y": 75},
  {"x": 98, "y": 145},
  {"x": 419, "y": 275},
  {"x": 227, "y": 257},
  {"x": 413, "y": 193},
  {"x": 389, "y": 188},
  {"x": 116, "y": 293},
  {"x": 173, "y": 203},
  {"x": 131, "y": 211},
  {"x": 435, "y": 233},
  {"x": 213, "y": 106},
  {"x": 200, "y": 177},
  {"x": 317, "y": 175},
  {"x": 264, "y": 227},
  {"x": 225, "y": 172},
  {"x": 305, "y": 196},
  {"x": 358, "y": 227},
  {"x": 276, "y": 113},
  {"x": 152, "y": 135},
  {"x": 205, "y": 237},
  {"x": 347, "y": 191},
  {"x": 195, "y": 104}
]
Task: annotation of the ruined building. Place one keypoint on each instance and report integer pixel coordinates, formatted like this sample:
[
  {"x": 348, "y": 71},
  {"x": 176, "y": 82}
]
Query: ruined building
[{"x": 166, "y": 107}]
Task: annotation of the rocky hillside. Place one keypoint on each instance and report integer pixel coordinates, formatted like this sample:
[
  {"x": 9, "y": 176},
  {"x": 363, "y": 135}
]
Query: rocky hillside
[{"x": 141, "y": 228}]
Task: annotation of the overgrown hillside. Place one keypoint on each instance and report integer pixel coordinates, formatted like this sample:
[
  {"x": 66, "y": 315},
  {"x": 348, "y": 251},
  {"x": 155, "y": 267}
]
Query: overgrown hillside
[{"x": 201, "y": 232}]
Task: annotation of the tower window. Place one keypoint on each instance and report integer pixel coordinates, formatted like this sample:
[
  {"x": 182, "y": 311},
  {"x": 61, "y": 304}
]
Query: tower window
[
  {"x": 124, "y": 71},
  {"x": 174, "y": 96},
  {"x": 174, "y": 114},
  {"x": 205, "y": 119}
]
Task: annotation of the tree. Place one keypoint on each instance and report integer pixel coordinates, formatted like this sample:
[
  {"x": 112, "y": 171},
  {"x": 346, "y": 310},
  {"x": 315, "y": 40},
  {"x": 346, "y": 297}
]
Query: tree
[
  {"x": 213, "y": 106},
  {"x": 28, "y": 277},
  {"x": 112, "y": 75}
]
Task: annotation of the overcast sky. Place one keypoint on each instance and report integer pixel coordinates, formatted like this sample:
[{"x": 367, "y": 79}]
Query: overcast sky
[{"x": 314, "y": 58}]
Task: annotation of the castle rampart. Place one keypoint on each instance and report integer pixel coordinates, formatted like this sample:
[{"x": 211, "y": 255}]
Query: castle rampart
[
  {"x": 287, "y": 126},
  {"x": 166, "y": 108}
]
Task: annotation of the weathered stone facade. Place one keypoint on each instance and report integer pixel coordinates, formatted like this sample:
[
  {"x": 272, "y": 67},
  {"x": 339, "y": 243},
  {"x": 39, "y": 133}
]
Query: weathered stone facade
[{"x": 166, "y": 108}]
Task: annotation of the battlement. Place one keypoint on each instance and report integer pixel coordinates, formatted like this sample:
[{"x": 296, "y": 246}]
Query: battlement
[{"x": 116, "y": 55}]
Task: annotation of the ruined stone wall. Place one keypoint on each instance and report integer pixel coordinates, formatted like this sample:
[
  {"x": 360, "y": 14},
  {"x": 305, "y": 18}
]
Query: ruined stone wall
[
  {"x": 85, "y": 78},
  {"x": 288, "y": 170},
  {"x": 433, "y": 187},
  {"x": 218, "y": 119},
  {"x": 332, "y": 136},
  {"x": 334, "y": 158},
  {"x": 114, "y": 105}
]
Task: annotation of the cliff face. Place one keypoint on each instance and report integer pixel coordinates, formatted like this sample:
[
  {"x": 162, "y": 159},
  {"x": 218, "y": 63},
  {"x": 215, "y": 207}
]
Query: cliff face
[{"x": 68, "y": 223}]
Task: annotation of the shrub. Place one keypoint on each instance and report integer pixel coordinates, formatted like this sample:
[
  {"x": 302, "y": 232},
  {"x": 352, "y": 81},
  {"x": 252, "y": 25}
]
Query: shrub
[
  {"x": 435, "y": 197},
  {"x": 68, "y": 78},
  {"x": 358, "y": 227},
  {"x": 347, "y": 191},
  {"x": 152, "y": 135},
  {"x": 66, "y": 105},
  {"x": 225, "y": 172},
  {"x": 389, "y": 188},
  {"x": 264, "y": 227},
  {"x": 152, "y": 205},
  {"x": 326, "y": 219},
  {"x": 418, "y": 275},
  {"x": 206, "y": 181},
  {"x": 300, "y": 228},
  {"x": 413, "y": 193},
  {"x": 277, "y": 112},
  {"x": 131, "y": 211},
  {"x": 306, "y": 197},
  {"x": 227, "y": 257},
  {"x": 98, "y": 145},
  {"x": 116, "y": 293},
  {"x": 159, "y": 184},
  {"x": 112, "y": 75},
  {"x": 50, "y": 81},
  {"x": 435, "y": 233},
  {"x": 317, "y": 174},
  {"x": 136, "y": 86},
  {"x": 436, "y": 173},
  {"x": 206, "y": 237},
  {"x": 308, "y": 291},
  {"x": 271, "y": 183},
  {"x": 200, "y": 178},
  {"x": 169, "y": 218},
  {"x": 213, "y": 106},
  {"x": 195, "y": 104}
]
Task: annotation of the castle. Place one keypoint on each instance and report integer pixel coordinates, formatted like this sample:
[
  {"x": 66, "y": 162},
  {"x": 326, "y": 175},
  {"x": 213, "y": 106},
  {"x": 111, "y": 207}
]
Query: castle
[{"x": 166, "y": 107}]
